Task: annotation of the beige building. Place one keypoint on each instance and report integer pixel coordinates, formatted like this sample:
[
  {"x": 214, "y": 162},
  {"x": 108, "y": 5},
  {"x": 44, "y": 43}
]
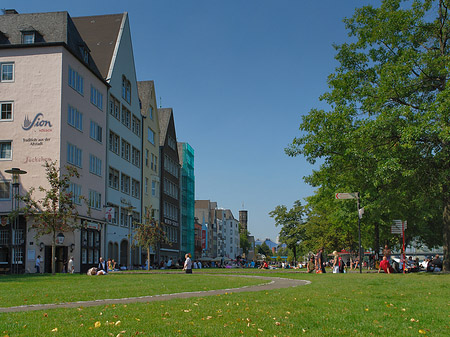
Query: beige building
[{"x": 150, "y": 150}]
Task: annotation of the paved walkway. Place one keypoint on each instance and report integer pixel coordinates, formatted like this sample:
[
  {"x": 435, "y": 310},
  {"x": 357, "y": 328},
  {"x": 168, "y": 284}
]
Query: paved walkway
[{"x": 273, "y": 283}]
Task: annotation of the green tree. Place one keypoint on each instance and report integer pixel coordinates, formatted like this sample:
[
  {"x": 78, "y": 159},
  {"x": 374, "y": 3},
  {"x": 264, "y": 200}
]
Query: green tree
[
  {"x": 55, "y": 211},
  {"x": 243, "y": 239},
  {"x": 387, "y": 131},
  {"x": 149, "y": 234},
  {"x": 265, "y": 250},
  {"x": 291, "y": 222}
]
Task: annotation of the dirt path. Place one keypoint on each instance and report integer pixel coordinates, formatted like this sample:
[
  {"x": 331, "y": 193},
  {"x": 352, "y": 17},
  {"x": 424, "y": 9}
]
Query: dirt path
[{"x": 274, "y": 283}]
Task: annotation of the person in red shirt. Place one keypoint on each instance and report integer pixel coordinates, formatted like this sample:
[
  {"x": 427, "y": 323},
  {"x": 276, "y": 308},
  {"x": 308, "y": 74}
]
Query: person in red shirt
[{"x": 385, "y": 265}]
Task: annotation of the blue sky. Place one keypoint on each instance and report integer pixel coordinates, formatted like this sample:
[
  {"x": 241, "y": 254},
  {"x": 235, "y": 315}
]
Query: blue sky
[{"x": 239, "y": 74}]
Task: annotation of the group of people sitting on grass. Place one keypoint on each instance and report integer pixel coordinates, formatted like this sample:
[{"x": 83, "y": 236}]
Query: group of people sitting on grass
[{"x": 411, "y": 266}]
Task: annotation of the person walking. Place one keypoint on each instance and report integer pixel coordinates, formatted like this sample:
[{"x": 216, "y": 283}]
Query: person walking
[
  {"x": 70, "y": 266},
  {"x": 38, "y": 264},
  {"x": 188, "y": 264},
  {"x": 336, "y": 263},
  {"x": 320, "y": 261}
]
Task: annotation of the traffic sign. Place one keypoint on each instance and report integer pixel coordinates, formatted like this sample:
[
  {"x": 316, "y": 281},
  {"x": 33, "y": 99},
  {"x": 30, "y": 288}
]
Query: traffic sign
[{"x": 346, "y": 195}]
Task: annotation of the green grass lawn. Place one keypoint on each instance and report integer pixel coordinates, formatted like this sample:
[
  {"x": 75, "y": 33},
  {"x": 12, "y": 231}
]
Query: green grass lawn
[{"x": 332, "y": 305}]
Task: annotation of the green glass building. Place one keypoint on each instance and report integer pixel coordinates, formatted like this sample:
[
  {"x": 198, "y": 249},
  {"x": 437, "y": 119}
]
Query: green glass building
[{"x": 187, "y": 198}]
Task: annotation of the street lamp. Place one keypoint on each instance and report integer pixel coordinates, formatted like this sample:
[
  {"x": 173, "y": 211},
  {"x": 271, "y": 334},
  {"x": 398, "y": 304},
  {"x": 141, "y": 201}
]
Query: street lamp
[
  {"x": 130, "y": 215},
  {"x": 15, "y": 172}
]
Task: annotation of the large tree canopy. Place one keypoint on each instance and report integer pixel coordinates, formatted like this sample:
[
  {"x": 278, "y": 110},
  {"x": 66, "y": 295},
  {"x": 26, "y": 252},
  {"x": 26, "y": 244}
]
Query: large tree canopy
[{"x": 387, "y": 131}]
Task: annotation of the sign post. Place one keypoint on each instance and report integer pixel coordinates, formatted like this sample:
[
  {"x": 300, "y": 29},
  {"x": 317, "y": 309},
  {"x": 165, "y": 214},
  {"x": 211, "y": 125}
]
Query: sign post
[{"x": 355, "y": 195}]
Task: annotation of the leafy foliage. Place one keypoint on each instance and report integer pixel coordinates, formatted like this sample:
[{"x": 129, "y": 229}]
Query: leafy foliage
[
  {"x": 55, "y": 211},
  {"x": 149, "y": 235},
  {"x": 292, "y": 229},
  {"x": 387, "y": 133}
]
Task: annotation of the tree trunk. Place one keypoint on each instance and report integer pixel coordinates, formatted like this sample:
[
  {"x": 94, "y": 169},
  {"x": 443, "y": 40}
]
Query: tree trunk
[
  {"x": 54, "y": 253},
  {"x": 377, "y": 239},
  {"x": 446, "y": 232},
  {"x": 148, "y": 258}
]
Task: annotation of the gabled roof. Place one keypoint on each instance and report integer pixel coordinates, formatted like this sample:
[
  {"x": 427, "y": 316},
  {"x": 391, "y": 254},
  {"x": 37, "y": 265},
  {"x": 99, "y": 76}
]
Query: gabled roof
[
  {"x": 54, "y": 28},
  {"x": 145, "y": 90},
  {"x": 164, "y": 115},
  {"x": 101, "y": 33}
]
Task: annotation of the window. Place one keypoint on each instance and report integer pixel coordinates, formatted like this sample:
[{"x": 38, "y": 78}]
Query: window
[
  {"x": 96, "y": 97},
  {"x": 74, "y": 155},
  {"x": 126, "y": 89},
  {"x": 125, "y": 183},
  {"x": 114, "y": 141},
  {"x": 76, "y": 81},
  {"x": 170, "y": 189},
  {"x": 146, "y": 187},
  {"x": 135, "y": 188},
  {"x": 154, "y": 163},
  {"x": 5, "y": 189},
  {"x": 136, "y": 157},
  {"x": 6, "y": 111},
  {"x": 95, "y": 199},
  {"x": 7, "y": 72},
  {"x": 5, "y": 150},
  {"x": 126, "y": 116},
  {"x": 154, "y": 189},
  {"x": 113, "y": 178},
  {"x": 84, "y": 54},
  {"x": 114, "y": 107},
  {"x": 75, "y": 118},
  {"x": 95, "y": 165},
  {"x": 172, "y": 143},
  {"x": 136, "y": 126},
  {"x": 75, "y": 190},
  {"x": 146, "y": 157},
  {"x": 151, "y": 136},
  {"x": 96, "y": 132},
  {"x": 125, "y": 150},
  {"x": 171, "y": 167},
  {"x": 150, "y": 112},
  {"x": 28, "y": 37},
  {"x": 116, "y": 214}
]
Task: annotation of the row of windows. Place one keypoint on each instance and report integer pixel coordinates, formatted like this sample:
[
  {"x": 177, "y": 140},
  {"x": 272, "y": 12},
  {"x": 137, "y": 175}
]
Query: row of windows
[
  {"x": 76, "y": 81},
  {"x": 126, "y": 117},
  {"x": 127, "y": 152},
  {"x": 171, "y": 211},
  {"x": 96, "y": 97},
  {"x": 154, "y": 161},
  {"x": 126, "y": 183},
  {"x": 171, "y": 167},
  {"x": 171, "y": 233},
  {"x": 155, "y": 187},
  {"x": 170, "y": 189}
]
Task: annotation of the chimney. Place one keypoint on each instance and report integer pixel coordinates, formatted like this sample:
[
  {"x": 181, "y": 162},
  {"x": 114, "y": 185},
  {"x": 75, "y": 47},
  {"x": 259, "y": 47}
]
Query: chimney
[{"x": 10, "y": 11}]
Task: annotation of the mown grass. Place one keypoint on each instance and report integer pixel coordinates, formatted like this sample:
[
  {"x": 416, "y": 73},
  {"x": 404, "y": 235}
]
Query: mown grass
[
  {"x": 44, "y": 289},
  {"x": 332, "y": 305}
]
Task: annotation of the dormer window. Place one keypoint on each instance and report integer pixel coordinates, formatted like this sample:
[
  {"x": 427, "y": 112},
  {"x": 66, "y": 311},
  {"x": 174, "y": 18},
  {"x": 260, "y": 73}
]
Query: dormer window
[
  {"x": 31, "y": 35},
  {"x": 84, "y": 54},
  {"x": 3, "y": 38},
  {"x": 28, "y": 37}
]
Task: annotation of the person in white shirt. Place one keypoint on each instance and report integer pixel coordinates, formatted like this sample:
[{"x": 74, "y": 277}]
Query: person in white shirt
[{"x": 188, "y": 264}]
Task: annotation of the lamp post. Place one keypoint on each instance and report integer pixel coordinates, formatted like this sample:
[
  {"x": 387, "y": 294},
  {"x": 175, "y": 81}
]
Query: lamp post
[
  {"x": 130, "y": 215},
  {"x": 15, "y": 172}
]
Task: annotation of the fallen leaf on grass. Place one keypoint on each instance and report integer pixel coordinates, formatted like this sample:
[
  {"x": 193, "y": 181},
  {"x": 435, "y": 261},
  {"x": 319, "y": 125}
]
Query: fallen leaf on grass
[
  {"x": 55, "y": 330},
  {"x": 97, "y": 324}
]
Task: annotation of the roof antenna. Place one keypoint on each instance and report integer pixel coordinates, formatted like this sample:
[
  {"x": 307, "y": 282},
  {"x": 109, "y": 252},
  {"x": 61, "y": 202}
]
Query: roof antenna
[
  {"x": 243, "y": 205},
  {"x": 160, "y": 102}
]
